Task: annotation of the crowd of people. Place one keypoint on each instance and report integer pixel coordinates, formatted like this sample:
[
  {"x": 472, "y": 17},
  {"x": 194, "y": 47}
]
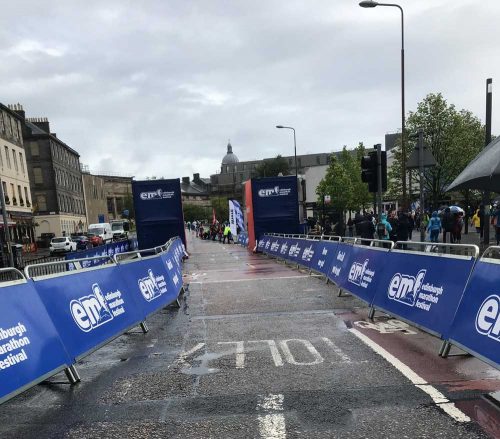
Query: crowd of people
[
  {"x": 399, "y": 225},
  {"x": 216, "y": 231}
]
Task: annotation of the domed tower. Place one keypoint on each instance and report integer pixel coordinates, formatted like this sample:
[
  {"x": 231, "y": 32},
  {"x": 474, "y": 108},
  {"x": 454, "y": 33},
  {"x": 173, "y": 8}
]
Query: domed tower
[{"x": 229, "y": 159}]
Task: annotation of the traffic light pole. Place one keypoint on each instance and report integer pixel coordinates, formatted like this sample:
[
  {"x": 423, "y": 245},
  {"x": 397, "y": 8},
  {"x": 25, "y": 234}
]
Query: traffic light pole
[
  {"x": 379, "y": 178},
  {"x": 421, "y": 177}
]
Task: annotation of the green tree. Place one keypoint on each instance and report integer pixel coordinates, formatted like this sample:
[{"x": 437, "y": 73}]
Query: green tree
[
  {"x": 194, "y": 212},
  {"x": 221, "y": 206},
  {"x": 273, "y": 167},
  {"x": 338, "y": 184},
  {"x": 454, "y": 138}
]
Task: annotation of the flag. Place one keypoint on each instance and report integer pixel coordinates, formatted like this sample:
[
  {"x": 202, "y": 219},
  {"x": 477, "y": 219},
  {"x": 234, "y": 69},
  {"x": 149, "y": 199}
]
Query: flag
[
  {"x": 235, "y": 217},
  {"x": 214, "y": 219}
]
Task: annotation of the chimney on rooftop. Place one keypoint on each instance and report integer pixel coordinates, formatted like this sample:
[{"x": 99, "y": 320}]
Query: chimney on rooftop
[
  {"x": 40, "y": 122},
  {"x": 17, "y": 108},
  {"x": 196, "y": 177},
  {"x": 185, "y": 180}
]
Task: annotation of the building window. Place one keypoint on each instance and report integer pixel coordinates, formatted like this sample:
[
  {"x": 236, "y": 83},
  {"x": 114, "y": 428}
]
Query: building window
[
  {"x": 7, "y": 156},
  {"x": 35, "y": 150},
  {"x": 5, "y": 193},
  {"x": 13, "y": 192},
  {"x": 26, "y": 197},
  {"x": 38, "y": 176},
  {"x": 20, "y": 193},
  {"x": 2, "y": 126},
  {"x": 21, "y": 161},
  {"x": 111, "y": 207},
  {"x": 14, "y": 159},
  {"x": 318, "y": 160},
  {"x": 42, "y": 202}
]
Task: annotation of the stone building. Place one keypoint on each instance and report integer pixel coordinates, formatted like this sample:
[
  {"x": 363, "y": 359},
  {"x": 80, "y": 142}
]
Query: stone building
[
  {"x": 118, "y": 193},
  {"x": 55, "y": 180},
  {"x": 197, "y": 191},
  {"x": 14, "y": 176},
  {"x": 95, "y": 197}
]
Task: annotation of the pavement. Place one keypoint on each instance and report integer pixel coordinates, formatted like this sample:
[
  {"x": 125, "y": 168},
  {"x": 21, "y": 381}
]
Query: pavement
[{"x": 259, "y": 349}]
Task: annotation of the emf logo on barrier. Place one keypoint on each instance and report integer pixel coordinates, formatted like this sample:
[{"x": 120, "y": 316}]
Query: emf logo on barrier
[
  {"x": 360, "y": 274},
  {"x": 96, "y": 309},
  {"x": 152, "y": 286},
  {"x": 488, "y": 318},
  {"x": 274, "y": 192},
  {"x": 404, "y": 288},
  {"x": 159, "y": 194}
]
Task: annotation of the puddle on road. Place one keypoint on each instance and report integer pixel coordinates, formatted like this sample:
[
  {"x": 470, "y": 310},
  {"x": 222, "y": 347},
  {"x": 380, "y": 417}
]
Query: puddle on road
[{"x": 203, "y": 368}]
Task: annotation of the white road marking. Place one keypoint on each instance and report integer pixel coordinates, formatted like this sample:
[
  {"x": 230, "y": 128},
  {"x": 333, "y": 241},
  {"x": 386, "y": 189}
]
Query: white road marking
[
  {"x": 289, "y": 357},
  {"x": 387, "y": 327},
  {"x": 248, "y": 280},
  {"x": 439, "y": 399},
  {"x": 183, "y": 356},
  {"x": 336, "y": 349},
  {"x": 240, "y": 353},
  {"x": 278, "y": 361},
  {"x": 272, "y": 422}
]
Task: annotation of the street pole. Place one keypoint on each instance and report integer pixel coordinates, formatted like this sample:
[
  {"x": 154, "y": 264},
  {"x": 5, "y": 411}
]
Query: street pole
[
  {"x": 6, "y": 225},
  {"x": 421, "y": 177},
  {"x": 487, "y": 141},
  {"x": 379, "y": 177}
]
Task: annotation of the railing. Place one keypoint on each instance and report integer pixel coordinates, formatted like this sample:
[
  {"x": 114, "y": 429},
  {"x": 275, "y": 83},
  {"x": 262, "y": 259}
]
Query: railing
[
  {"x": 439, "y": 249},
  {"x": 58, "y": 267}
]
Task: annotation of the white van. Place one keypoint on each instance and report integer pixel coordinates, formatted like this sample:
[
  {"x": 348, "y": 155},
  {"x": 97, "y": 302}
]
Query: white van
[{"x": 103, "y": 230}]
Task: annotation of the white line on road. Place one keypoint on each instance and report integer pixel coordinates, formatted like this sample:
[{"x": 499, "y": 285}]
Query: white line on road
[
  {"x": 183, "y": 356},
  {"x": 439, "y": 399},
  {"x": 289, "y": 357},
  {"x": 240, "y": 353},
  {"x": 272, "y": 422},
  {"x": 248, "y": 280},
  {"x": 278, "y": 361},
  {"x": 336, "y": 349}
]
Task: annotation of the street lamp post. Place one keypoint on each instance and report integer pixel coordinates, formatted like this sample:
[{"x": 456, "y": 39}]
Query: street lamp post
[
  {"x": 373, "y": 4},
  {"x": 294, "y": 147}
]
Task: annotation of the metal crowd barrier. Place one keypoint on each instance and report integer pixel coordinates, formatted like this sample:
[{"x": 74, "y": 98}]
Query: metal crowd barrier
[{"x": 48, "y": 269}]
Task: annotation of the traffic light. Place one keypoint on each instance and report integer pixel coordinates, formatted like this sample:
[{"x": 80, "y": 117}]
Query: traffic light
[{"x": 369, "y": 170}]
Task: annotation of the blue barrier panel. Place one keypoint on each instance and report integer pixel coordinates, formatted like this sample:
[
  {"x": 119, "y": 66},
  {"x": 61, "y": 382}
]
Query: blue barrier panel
[
  {"x": 262, "y": 243},
  {"x": 149, "y": 280},
  {"x": 89, "y": 307},
  {"x": 476, "y": 326},
  {"x": 309, "y": 249},
  {"x": 172, "y": 260},
  {"x": 295, "y": 249},
  {"x": 274, "y": 249},
  {"x": 30, "y": 347},
  {"x": 364, "y": 269},
  {"x": 423, "y": 289},
  {"x": 323, "y": 256},
  {"x": 102, "y": 250},
  {"x": 340, "y": 263}
]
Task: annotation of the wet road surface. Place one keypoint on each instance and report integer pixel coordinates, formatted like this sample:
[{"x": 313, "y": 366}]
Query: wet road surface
[{"x": 259, "y": 350}]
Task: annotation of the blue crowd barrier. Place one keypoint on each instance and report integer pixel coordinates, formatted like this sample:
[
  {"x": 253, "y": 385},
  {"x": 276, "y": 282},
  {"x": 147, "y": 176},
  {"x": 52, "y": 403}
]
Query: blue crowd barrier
[
  {"x": 103, "y": 250},
  {"x": 359, "y": 269},
  {"x": 476, "y": 326},
  {"x": 423, "y": 289},
  {"x": 30, "y": 347},
  {"x": 88, "y": 308}
]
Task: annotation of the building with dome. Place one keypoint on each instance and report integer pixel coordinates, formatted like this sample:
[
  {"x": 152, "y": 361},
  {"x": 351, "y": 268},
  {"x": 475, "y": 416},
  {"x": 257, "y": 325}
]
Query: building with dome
[{"x": 233, "y": 172}]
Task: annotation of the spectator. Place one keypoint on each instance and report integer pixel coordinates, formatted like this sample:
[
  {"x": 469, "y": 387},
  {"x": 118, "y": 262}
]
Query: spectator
[
  {"x": 476, "y": 221},
  {"x": 434, "y": 227},
  {"x": 350, "y": 227},
  {"x": 384, "y": 228},
  {"x": 366, "y": 229},
  {"x": 447, "y": 224},
  {"x": 227, "y": 234},
  {"x": 403, "y": 227},
  {"x": 393, "y": 221},
  {"x": 458, "y": 224}
]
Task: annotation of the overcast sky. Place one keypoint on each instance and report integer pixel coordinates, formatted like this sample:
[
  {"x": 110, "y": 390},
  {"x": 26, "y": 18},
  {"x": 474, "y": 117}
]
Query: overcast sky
[{"x": 158, "y": 87}]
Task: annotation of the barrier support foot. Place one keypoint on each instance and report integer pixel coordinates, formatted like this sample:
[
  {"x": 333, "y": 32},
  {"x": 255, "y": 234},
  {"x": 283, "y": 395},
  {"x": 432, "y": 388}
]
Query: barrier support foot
[
  {"x": 340, "y": 292},
  {"x": 441, "y": 349},
  {"x": 445, "y": 350},
  {"x": 371, "y": 313},
  {"x": 70, "y": 375},
  {"x": 177, "y": 304},
  {"x": 182, "y": 291},
  {"x": 144, "y": 327},
  {"x": 327, "y": 280},
  {"x": 74, "y": 370}
]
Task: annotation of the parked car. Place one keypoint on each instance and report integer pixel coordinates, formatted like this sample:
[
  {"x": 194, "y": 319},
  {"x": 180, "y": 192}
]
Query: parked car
[
  {"x": 95, "y": 240},
  {"x": 82, "y": 242},
  {"x": 62, "y": 244},
  {"x": 103, "y": 230}
]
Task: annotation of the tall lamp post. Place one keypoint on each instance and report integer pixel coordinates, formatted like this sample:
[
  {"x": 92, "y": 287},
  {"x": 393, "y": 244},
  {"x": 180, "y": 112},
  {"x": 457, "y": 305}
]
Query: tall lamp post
[
  {"x": 294, "y": 146},
  {"x": 373, "y": 4}
]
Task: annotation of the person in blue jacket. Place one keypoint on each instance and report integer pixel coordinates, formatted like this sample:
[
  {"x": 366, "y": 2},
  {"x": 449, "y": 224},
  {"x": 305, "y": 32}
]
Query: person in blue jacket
[
  {"x": 383, "y": 228},
  {"x": 434, "y": 226}
]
